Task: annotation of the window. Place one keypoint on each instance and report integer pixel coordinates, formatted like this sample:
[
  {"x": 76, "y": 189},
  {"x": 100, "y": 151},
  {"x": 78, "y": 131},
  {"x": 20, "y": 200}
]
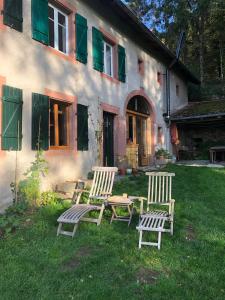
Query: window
[
  {"x": 108, "y": 59},
  {"x": 58, "y": 29},
  {"x": 59, "y": 124},
  {"x": 159, "y": 77},
  {"x": 177, "y": 90},
  {"x": 141, "y": 67}
]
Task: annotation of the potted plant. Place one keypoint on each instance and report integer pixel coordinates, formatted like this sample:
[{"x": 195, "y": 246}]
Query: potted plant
[
  {"x": 129, "y": 170},
  {"x": 162, "y": 156}
]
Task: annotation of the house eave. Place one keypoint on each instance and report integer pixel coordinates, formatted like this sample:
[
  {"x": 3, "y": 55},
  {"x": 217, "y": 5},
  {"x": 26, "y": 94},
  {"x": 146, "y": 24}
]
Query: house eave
[{"x": 198, "y": 117}]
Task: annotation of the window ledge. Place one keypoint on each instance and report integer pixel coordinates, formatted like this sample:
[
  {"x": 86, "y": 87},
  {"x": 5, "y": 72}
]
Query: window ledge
[
  {"x": 67, "y": 57},
  {"x": 112, "y": 79}
]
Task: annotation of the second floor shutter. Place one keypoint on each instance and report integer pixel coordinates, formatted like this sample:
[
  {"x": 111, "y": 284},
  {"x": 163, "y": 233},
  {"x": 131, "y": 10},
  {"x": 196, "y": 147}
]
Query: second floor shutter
[
  {"x": 81, "y": 39},
  {"x": 12, "y": 103},
  {"x": 13, "y": 14},
  {"x": 121, "y": 63},
  {"x": 40, "y": 122},
  {"x": 98, "y": 50},
  {"x": 39, "y": 15}
]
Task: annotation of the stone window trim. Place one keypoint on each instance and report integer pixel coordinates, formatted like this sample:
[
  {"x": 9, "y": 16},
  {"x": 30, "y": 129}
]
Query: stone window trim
[
  {"x": 111, "y": 40},
  {"x": 70, "y": 10},
  {"x": 71, "y": 102}
]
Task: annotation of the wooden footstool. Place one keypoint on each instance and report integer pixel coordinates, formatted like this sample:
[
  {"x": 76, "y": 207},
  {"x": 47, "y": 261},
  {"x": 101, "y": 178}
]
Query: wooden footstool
[
  {"x": 121, "y": 201},
  {"x": 153, "y": 223}
]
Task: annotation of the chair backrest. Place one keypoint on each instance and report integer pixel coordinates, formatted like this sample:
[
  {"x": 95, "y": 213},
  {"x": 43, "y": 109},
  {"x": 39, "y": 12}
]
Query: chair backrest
[
  {"x": 159, "y": 187},
  {"x": 103, "y": 181}
]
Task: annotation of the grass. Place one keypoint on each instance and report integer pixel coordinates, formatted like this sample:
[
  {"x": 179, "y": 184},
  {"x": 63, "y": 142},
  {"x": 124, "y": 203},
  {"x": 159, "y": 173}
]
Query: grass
[{"x": 104, "y": 262}]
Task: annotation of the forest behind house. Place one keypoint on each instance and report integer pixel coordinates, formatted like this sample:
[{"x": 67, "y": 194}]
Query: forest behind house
[{"x": 203, "y": 22}]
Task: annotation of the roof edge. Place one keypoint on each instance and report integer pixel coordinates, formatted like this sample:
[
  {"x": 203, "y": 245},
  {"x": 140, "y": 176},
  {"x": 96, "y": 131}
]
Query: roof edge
[{"x": 179, "y": 65}]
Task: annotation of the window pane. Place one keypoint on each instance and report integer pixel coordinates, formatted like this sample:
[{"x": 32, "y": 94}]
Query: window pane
[
  {"x": 61, "y": 19},
  {"x": 131, "y": 133},
  {"x": 51, "y": 12},
  {"x": 108, "y": 60},
  {"x": 62, "y": 38},
  {"x": 52, "y": 125},
  {"x": 62, "y": 119},
  {"x": 51, "y": 34}
]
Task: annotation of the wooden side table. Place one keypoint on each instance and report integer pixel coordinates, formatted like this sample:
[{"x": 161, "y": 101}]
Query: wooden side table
[{"x": 123, "y": 202}]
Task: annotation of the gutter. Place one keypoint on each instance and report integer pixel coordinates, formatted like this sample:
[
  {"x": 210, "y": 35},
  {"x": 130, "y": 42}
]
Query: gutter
[{"x": 196, "y": 117}]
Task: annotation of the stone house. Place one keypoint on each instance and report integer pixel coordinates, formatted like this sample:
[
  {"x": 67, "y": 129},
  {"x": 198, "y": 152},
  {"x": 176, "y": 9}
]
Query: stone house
[{"x": 85, "y": 81}]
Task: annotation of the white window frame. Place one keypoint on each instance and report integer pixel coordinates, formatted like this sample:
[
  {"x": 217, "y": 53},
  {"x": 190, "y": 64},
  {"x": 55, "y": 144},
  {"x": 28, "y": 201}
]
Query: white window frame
[
  {"x": 105, "y": 59},
  {"x": 56, "y": 33}
]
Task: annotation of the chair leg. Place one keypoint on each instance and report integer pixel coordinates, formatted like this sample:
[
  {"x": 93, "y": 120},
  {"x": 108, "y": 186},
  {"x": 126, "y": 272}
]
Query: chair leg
[
  {"x": 131, "y": 211},
  {"x": 59, "y": 229},
  {"x": 171, "y": 227},
  {"x": 159, "y": 239},
  {"x": 140, "y": 239},
  {"x": 74, "y": 229},
  {"x": 100, "y": 215}
]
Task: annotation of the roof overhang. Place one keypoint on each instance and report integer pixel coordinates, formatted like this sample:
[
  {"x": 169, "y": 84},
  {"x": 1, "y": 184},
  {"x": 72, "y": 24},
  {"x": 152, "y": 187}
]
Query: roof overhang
[{"x": 141, "y": 31}]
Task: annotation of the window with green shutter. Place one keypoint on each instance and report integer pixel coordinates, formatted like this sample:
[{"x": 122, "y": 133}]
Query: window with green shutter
[
  {"x": 82, "y": 127},
  {"x": 98, "y": 49},
  {"x": 13, "y": 14},
  {"x": 12, "y": 102},
  {"x": 39, "y": 15},
  {"x": 81, "y": 39},
  {"x": 40, "y": 122},
  {"x": 121, "y": 64}
]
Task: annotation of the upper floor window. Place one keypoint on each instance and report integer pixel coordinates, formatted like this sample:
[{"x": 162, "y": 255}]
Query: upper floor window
[
  {"x": 58, "y": 29},
  {"x": 177, "y": 90},
  {"x": 108, "y": 59},
  {"x": 159, "y": 77},
  {"x": 141, "y": 67}
]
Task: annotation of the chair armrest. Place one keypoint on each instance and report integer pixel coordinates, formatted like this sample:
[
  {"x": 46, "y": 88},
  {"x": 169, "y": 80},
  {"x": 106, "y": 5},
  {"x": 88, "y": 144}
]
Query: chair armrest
[
  {"x": 141, "y": 199},
  {"x": 77, "y": 195},
  {"x": 171, "y": 207}
]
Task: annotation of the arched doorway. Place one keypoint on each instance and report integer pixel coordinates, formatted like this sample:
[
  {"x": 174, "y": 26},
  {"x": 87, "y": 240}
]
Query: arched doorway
[{"x": 140, "y": 129}]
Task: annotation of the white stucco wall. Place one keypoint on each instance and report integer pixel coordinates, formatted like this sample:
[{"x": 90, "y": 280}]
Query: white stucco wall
[{"x": 27, "y": 65}]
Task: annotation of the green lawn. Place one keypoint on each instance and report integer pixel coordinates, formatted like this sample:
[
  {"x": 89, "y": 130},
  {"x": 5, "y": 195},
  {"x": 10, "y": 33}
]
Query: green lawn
[{"x": 104, "y": 262}]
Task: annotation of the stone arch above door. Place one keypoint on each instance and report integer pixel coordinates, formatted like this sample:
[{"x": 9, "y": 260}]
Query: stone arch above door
[{"x": 140, "y": 115}]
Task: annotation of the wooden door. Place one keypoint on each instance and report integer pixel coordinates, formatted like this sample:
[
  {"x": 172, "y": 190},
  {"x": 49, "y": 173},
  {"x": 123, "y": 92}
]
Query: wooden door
[{"x": 108, "y": 139}]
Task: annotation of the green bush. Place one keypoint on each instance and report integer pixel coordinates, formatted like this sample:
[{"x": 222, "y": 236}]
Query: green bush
[
  {"x": 29, "y": 188},
  {"x": 48, "y": 198}
]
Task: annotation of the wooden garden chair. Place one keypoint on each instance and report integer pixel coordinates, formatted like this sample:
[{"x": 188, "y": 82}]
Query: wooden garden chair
[
  {"x": 159, "y": 194},
  {"x": 101, "y": 190}
]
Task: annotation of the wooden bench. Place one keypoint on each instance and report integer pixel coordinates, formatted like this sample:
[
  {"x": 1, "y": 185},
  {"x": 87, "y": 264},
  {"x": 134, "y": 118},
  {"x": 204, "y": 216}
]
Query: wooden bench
[{"x": 151, "y": 222}]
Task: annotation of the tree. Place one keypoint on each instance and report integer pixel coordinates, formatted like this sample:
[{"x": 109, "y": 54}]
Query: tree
[{"x": 203, "y": 22}]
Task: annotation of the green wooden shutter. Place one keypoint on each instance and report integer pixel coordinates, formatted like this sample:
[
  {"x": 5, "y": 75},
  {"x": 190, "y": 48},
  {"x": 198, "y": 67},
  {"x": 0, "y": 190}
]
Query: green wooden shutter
[
  {"x": 13, "y": 14},
  {"x": 40, "y": 122},
  {"x": 12, "y": 102},
  {"x": 39, "y": 14},
  {"x": 98, "y": 50},
  {"x": 82, "y": 127},
  {"x": 121, "y": 64},
  {"x": 81, "y": 39}
]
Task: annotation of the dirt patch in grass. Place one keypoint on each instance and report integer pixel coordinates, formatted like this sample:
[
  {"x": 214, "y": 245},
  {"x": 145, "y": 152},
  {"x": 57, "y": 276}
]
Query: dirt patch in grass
[
  {"x": 147, "y": 276},
  {"x": 190, "y": 233},
  {"x": 74, "y": 262}
]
